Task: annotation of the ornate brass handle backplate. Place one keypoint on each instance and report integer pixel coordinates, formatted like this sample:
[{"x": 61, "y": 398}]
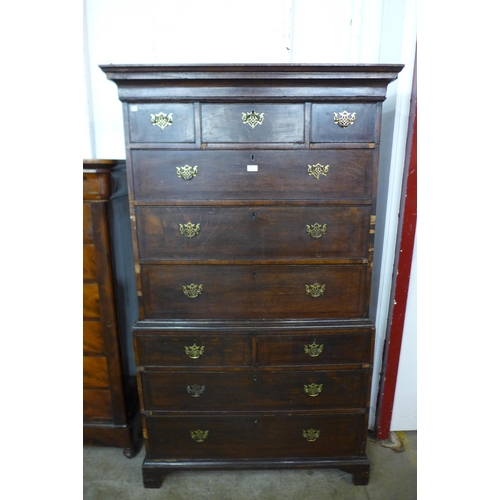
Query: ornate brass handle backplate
[
  {"x": 317, "y": 170},
  {"x": 253, "y": 119},
  {"x": 162, "y": 120},
  {"x": 313, "y": 350},
  {"x": 315, "y": 290},
  {"x": 192, "y": 291},
  {"x": 186, "y": 172},
  {"x": 316, "y": 230},
  {"x": 311, "y": 434},
  {"x": 194, "y": 351},
  {"x": 195, "y": 390},
  {"x": 313, "y": 389},
  {"x": 199, "y": 436},
  {"x": 344, "y": 119},
  {"x": 189, "y": 230}
]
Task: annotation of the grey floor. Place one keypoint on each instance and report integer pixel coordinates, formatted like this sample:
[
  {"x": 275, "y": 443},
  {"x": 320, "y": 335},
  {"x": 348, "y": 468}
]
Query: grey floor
[{"x": 108, "y": 475}]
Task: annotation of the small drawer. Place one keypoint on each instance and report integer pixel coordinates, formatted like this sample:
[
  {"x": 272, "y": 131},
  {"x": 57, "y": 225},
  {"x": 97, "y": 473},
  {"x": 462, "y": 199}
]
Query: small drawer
[
  {"x": 310, "y": 349},
  {"x": 283, "y": 436},
  {"x": 239, "y": 391},
  {"x": 253, "y": 291},
  {"x": 192, "y": 350},
  {"x": 247, "y": 123},
  {"x": 252, "y": 175},
  {"x": 253, "y": 233},
  {"x": 166, "y": 122},
  {"x": 344, "y": 122}
]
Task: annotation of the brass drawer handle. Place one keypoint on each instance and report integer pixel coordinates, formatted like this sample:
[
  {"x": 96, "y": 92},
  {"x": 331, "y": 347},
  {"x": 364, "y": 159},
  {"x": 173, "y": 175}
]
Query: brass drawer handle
[
  {"x": 311, "y": 434},
  {"x": 315, "y": 290},
  {"x": 195, "y": 390},
  {"x": 314, "y": 350},
  {"x": 313, "y": 389},
  {"x": 192, "y": 290},
  {"x": 199, "y": 436},
  {"x": 317, "y": 170},
  {"x": 316, "y": 230},
  {"x": 344, "y": 119},
  {"x": 194, "y": 351},
  {"x": 253, "y": 119},
  {"x": 186, "y": 172},
  {"x": 189, "y": 230},
  {"x": 162, "y": 120}
]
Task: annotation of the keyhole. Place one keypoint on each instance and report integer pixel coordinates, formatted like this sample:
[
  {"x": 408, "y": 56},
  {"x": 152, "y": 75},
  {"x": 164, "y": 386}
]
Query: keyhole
[
  {"x": 254, "y": 274},
  {"x": 255, "y": 378},
  {"x": 254, "y": 216},
  {"x": 252, "y": 157}
]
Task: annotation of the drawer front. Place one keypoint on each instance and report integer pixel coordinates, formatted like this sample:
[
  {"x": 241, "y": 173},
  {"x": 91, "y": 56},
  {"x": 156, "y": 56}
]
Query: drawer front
[
  {"x": 340, "y": 435},
  {"x": 91, "y": 303},
  {"x": 97, "y": 405},
  {"x": 275, "y": 175},
  {"x": 93, "y": 338},
  {"x": 168, "y": 122},
  {"x": 178, "y": 233},
  {"x": 87, "y": 223},
  {"x": 89, "y": 267},
  {"x": 246, "y": 123},
  {"x": 238, "y": 391},
  {"x": 195, "y": 350},
  {"x": 315, "y": 349},
  {"x": 274, "y": 291},
  {"x": 344, "y": 122},
  {"x": 95, "y": 372}
]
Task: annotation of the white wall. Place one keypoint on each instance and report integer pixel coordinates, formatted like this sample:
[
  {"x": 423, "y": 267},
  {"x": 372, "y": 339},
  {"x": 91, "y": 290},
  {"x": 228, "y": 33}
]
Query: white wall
[{"x": 261, "y": 31}]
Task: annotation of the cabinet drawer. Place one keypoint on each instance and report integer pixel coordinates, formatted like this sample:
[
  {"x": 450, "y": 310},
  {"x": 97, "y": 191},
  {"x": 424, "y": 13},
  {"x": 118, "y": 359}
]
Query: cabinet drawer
[
  {"x": 265, "y": 436},
  {"x": 315, "y": 349},
  {"x": 253, "y": 122},
  {"x": 252, "y": 233},
  {"x": 324, "y": 126},
  {"x": 166, "y": 123},
  {"x": 196, "y": 349},
  {"x": 238, "y": 391},
  {"x": 274, "y": 291},
  {"x": 275, "y": 175}
]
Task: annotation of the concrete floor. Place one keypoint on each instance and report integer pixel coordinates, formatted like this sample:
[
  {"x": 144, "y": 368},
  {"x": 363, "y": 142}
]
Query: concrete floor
[{"x": 108, "y": 475}]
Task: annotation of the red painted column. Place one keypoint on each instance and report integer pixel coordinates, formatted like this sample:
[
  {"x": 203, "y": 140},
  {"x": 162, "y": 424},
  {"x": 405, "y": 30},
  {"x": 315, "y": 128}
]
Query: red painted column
[{"x": 401, "y": 279}]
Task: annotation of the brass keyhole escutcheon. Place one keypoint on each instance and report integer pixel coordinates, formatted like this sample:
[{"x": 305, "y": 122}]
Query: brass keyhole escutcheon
[
  {"x": 192, "y": 291},
  {"x": 344, "y": 119},
  {"x": 186, "y": 172},
  {"x": 316, "y": 230},
  {"x": 195, "y": 390},
  {"x": 317, "y": 170},
  {"x": 189, "y": 230},
  {"x": 315, "y": 290}
]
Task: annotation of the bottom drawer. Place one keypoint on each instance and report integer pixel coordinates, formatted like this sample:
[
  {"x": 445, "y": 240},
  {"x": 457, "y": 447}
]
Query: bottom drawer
[{"x": 265, "y": 436}]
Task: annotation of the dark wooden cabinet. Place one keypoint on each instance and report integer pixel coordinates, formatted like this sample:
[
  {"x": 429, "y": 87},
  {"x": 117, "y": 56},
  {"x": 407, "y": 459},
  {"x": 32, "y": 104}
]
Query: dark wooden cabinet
[
  {"x": 252, "y": 203},
  {"x": 111, "y": 414}
]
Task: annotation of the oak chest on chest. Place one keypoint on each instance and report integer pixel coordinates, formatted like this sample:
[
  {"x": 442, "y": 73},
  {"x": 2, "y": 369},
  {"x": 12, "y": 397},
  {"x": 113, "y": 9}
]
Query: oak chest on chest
[{"x": 252, "y": 200}]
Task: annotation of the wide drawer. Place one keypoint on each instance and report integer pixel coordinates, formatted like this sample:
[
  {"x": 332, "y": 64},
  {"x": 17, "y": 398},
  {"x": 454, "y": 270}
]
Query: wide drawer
[
  {"x": 194, "y": 233},
  {"x": 313, "y": 349},
  {"x": 258, "y": 175},
  {"x": 264, "y": 436},
  {"x": 196, "y": 349},
  {"x": 168, "y": 122},
  {"x": 272, "y": 123},
  {"x": 253, "y": 291},
  {"x": 344, "y": 122},
  {"x": 248, "y": 391}
]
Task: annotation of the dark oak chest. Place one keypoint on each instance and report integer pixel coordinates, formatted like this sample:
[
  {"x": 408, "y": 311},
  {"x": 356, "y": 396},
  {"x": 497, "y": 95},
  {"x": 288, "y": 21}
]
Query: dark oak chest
[{"x": 252, "y": 200}]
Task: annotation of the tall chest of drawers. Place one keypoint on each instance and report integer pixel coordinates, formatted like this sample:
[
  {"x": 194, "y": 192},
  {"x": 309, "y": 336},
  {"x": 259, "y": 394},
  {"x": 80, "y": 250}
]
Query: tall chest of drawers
[{"x": 252, "y": 200}]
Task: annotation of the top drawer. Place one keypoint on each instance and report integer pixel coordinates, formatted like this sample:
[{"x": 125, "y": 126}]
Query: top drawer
[
  {"x": 252, "y": 123},
  {"x": 344, "y": 122},
  {"x": 161, "y": 123}
]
